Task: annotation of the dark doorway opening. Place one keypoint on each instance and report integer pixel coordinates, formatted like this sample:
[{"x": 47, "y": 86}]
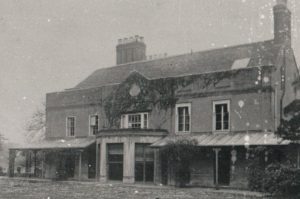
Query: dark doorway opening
[
  {"x": 91, "y": 153},
  {"x": 115, "y": 161},
  {"x": 70, "y": 165},
  {"x": 144, "y": 163},
  {"x": 223, "y": 167}
]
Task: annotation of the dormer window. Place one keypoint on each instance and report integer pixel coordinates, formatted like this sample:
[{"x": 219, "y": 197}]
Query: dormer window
[{"x": 135, "y": 120}]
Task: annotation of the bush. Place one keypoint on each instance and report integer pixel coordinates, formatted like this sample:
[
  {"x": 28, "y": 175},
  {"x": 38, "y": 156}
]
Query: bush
[
  {"x": 273, "y": 177},
  {"x": 256, "y": 169},
  {"x": 179, "y": 155},
  {"x": 282, "y": 180}
]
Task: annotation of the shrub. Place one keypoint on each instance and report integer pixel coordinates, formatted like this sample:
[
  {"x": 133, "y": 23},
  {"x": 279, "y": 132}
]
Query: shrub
[
  {"x": 282, "y": 180},
  {"x": 179, "y": 155}
]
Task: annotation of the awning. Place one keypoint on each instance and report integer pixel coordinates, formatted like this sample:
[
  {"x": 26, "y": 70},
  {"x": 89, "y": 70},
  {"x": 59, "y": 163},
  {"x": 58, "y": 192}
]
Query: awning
[
  {"x": 227, "y": 139},
  {"x": 75, "y": 143}
]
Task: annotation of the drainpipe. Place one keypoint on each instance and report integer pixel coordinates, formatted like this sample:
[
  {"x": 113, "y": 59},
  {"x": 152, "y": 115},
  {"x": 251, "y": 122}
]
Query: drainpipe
[{"x": 282, "y": 75}]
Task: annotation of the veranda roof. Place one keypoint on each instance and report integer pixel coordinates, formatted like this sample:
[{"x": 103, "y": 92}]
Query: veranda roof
[
  {"x": 227, "y": 139},
  {"x": 72, "y": 143}
]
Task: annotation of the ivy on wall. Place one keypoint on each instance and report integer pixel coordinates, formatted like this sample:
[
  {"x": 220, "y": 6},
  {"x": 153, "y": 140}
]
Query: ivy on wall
[{"x": 158, "y": 92}]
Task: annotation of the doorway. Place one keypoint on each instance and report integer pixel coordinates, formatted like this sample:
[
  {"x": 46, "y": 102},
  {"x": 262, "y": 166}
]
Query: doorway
[
  {"x": 115, "y": 161},
  {"x": 144, "y": 163},
  {"x": 223, "y": 167}
]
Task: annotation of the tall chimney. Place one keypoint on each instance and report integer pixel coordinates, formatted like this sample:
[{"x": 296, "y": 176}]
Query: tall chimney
[
  {"x": 131, "y": 49},
  {"x": 282, "y": 22}
]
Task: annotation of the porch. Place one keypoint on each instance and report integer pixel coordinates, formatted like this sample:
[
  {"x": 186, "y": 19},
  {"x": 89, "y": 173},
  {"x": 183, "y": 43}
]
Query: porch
[
  {"x": 223, "y": 158},
  {"x": 55, "y": 159}
]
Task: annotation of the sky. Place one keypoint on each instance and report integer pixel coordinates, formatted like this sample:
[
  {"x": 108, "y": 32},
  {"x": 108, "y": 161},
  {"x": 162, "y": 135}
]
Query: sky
[{"x": 52, "y": 45}]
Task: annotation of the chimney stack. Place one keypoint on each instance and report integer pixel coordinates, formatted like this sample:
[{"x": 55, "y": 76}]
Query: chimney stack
[
  {"x": 131, "y": 49},
  {"x": 282, "y": 23}
]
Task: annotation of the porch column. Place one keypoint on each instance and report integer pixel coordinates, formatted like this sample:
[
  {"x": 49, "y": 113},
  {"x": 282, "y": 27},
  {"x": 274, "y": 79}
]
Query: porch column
[
  {"x": 128, "y": 174},
  {"x": 103, "y": 170},
  {"x": 298, "y": 157},
  {"x": 34, "y": 169},
  {"x": 43, "y": 166},
  {"x": 217, "y": 150},
  {"x": 79, "y": 164},
  {"x": 12, "y": 156},
  {"x": 157, "y": 167}
]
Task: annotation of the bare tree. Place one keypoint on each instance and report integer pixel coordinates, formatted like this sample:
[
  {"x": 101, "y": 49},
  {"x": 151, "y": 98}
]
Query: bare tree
[{"x": 36, "y": 126}]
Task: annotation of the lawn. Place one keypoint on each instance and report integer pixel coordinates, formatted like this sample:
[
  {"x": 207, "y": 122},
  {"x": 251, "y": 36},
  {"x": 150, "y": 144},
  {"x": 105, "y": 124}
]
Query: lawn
[{"x": 17, "y": 189}]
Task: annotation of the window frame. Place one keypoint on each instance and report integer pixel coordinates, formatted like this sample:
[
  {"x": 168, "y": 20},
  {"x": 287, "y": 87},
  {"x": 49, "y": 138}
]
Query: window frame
[
  {"x": 98, "y": 125},
  {"x": 189, "y": 105},
  {"x": 125, "y": 121},
  {"x": 218, "y": 102},
  {"x": 68, "y": 134}
]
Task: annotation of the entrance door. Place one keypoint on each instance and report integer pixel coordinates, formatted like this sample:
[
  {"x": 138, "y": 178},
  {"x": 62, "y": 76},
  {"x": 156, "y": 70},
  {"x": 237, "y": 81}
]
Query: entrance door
[
  {"x": 70, "y": 165},
  {"x": 115, "y": 161},
  {"x": 223, "y": 167},
  {"x": 144, "y": 163}
]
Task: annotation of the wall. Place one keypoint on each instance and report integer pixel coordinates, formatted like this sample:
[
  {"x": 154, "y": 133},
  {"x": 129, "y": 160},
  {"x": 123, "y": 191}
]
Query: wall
[{"x": 78, "y": 103}]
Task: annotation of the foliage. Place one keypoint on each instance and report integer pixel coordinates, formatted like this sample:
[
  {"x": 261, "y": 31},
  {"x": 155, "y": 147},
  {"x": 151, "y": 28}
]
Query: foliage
[
  {"x": 282, "y": 180},
  {"x": 271, "y": 176},
  {"x": 289, "y": 128},
  {"x": 36, "y": 126},
  {"x": 161, "y": 93},
  {"x": 256, "y": 168},
  {"x": 179, "y": 155}
]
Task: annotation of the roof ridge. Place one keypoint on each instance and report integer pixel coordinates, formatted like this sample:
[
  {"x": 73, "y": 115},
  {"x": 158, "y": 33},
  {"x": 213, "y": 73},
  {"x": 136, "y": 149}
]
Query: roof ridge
[{"x": 185, "y": 54}]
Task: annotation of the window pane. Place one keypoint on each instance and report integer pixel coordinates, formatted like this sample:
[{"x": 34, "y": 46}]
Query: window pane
[
  {"x": 145, "y": 121},
  {"x": 219, "y": 125},
  {"x": 218, "y": 108},
  {"x": 71, "y": 126},
  {"x": 134, "y": 121},
  {"x": 139, "y": 171},
  {"x": 187, "y": 127},
  {"x": 226, "y": 126},
  {"x": 149, "y": 172}
]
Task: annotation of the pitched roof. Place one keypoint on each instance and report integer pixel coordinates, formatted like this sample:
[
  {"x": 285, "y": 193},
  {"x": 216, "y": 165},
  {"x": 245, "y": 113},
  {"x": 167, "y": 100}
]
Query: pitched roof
[{"x": 260, "y": 53}]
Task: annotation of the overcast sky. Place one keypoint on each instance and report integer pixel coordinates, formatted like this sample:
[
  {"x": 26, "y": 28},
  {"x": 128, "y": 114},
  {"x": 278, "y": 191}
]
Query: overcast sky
[{"x": 51, "y": 45}]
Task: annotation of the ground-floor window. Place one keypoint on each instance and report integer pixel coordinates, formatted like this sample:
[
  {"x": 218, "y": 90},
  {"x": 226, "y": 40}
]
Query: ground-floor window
[
  {"x": 144, "y": 163},
  {"x": 115, "y": 161}
]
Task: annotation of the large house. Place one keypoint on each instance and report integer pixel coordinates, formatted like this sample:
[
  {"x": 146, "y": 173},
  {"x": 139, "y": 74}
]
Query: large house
[{"x": 112, "y": 125}]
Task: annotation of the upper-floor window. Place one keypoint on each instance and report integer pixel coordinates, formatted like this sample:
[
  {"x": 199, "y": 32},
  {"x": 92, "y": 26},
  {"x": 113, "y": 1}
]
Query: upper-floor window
[
  {"x": 70, "y": 126},
  {"x": 135, "y": 121},
  {"x": 94, "y": 124},
  {"x": 183, "y": 117},
  {"x": 221, "y": 115}
]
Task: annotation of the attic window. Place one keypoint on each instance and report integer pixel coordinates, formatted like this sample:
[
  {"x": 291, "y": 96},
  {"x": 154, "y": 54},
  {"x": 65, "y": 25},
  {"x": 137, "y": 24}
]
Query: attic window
[{"x": 240, "y": 63}]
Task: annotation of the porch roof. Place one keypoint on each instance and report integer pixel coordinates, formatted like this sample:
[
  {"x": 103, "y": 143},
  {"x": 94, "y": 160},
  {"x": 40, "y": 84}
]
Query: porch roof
[
  {"x": 70, "y": 143},
  {"x": 227, "y": 139}
]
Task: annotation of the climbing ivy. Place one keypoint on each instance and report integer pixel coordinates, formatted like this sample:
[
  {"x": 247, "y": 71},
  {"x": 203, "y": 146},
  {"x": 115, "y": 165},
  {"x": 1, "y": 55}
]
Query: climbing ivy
[{"x": 158, "y": 92}]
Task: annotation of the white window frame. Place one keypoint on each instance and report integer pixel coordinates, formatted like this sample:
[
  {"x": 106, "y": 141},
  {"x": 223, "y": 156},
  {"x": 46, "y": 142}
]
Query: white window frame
[
  {"x": 217, "y": 102},
  {"x": 68, "y": 134},
  {"x": 90, "y": 129},
  {"x": 125, "y": 123},
  {"x": 176, "y": 117}
]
